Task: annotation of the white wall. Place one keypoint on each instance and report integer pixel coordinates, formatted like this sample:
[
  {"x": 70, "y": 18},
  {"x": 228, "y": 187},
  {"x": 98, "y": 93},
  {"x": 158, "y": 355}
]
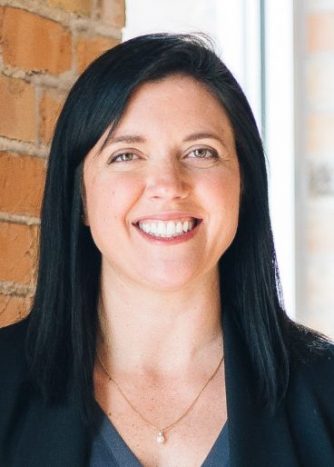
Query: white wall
[{"x": 235, "y": 28}]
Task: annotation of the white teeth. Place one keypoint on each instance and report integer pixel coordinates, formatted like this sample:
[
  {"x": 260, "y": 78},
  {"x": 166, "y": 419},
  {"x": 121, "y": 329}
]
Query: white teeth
[
  {"x": 167, "y": 229},
  {"x": 153, "y": 228},
  {"x": 171, "y": 228},
  {"x": 161, "y": 229}
]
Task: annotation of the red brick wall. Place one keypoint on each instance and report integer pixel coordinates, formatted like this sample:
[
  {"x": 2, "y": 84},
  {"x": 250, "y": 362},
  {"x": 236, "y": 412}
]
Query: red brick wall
[{"x": 44, "y": 45}]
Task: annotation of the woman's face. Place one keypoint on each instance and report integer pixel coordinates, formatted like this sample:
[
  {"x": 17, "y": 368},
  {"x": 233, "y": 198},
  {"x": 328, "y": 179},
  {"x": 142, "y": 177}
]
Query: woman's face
[{"x": 162, "y": 195}]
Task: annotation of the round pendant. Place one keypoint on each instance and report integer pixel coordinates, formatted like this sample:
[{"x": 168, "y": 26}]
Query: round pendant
[{"x": 161, "y": 437}]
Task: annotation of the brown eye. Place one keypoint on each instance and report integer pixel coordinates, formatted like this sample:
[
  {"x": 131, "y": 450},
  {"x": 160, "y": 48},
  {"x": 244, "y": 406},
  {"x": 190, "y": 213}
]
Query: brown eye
[
  {"x": 123, "y": 157},
  {"x": 203, "y": 153}
]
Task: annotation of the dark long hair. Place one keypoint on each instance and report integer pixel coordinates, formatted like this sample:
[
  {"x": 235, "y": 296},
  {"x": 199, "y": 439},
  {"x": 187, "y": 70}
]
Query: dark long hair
[{"x": 63, "y": 324}]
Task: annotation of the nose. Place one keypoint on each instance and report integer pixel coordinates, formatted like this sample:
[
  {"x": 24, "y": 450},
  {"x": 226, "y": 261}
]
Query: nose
[{"x": 168, "y": 180}]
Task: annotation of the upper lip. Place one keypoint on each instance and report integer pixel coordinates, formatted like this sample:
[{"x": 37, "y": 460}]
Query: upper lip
[{"x": 166, "y": 216}]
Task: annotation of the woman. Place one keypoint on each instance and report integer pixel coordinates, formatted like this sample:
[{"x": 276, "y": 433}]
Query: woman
[{"x": 157, "y": 336}]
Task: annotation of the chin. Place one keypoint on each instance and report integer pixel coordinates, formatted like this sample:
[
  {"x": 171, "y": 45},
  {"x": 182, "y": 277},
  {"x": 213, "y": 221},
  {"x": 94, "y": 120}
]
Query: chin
[{"x": 169, "y": 282}]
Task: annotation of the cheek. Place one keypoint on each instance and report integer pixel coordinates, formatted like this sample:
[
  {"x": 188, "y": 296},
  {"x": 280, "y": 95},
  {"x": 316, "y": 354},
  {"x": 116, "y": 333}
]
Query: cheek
[
  {"x": 223, "y": 191},
  {"x": 223, "y": 201},
  {"x": 109, "y": 200}
]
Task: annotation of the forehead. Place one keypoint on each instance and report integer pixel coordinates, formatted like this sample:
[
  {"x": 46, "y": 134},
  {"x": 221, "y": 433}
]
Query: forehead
[{"x": 174, "y": 102}]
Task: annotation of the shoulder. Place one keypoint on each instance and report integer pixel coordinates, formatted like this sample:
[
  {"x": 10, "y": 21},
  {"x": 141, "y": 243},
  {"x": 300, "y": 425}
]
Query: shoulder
[
  {"x": 307, "y": 346},
  {"x": 12, "y": 343},
  {"x": 13, "y": 368},
  {"x": 311, "y": 363},
  {"x": 13, "y": 377},
  {"x": 16, "y": 329}
]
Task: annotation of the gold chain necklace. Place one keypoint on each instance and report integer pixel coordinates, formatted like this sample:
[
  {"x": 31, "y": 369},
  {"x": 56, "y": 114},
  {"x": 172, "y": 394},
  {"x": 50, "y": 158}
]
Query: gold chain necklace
[{"x": 161, "y": 435}]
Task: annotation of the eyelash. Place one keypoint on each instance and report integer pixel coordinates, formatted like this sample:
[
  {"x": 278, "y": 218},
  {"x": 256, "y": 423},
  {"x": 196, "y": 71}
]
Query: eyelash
[
  {"x": 113, "y": 159},
  {"x": 213, "y": 155}
]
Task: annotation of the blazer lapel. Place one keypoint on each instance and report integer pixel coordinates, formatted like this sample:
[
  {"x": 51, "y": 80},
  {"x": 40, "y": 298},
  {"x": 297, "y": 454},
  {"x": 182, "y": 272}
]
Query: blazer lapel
[
  {"x": 257, "y": 438},
  {"x": 46, "y": 435}
]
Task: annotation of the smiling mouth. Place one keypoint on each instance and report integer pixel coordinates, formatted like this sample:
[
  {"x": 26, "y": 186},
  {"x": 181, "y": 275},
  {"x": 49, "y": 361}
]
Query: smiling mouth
[{"x": 168, "y": 229}]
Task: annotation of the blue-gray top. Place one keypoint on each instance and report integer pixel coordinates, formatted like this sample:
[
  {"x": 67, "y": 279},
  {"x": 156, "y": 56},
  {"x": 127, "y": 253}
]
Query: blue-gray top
[{"x": 109, "y": 449}]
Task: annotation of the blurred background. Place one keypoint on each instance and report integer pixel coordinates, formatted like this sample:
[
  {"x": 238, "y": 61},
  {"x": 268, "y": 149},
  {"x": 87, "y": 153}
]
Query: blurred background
[{"x": 282, "y": 54}]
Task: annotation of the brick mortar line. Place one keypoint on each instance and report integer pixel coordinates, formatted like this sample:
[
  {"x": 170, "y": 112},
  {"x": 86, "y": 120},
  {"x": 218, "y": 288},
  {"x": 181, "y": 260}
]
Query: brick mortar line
[
  {"x": 88, "y": 27},
  {"x": 1, "y": 59},
  {"x": 95, "y": 10},
  {"x": 74, "y": 55},
  {"x": 62, "y": 82},
  {"x": 68, "y": 19},
  {"x": 21, "y": 147},
  {"x": 41, "y": 10},
  {"x": 19, "y": 219},
  {"x": 95, "y": 27},
  {"x": 38, "y": 116},
  {"x": 16, "y": 289}
]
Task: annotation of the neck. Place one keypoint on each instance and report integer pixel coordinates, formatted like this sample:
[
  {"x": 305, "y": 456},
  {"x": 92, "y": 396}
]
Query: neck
[{"x": 159, "y": 332}]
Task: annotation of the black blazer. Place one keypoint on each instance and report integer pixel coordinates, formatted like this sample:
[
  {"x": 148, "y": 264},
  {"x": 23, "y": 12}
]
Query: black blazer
[{"x": 300, "y": 433}]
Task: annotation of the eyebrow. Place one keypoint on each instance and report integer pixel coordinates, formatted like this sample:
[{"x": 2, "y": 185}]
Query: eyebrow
[
  {"x": 202, "y": 135},
  {"x": 126, "y": 139},
  {"x": 129, "y": 139}
]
